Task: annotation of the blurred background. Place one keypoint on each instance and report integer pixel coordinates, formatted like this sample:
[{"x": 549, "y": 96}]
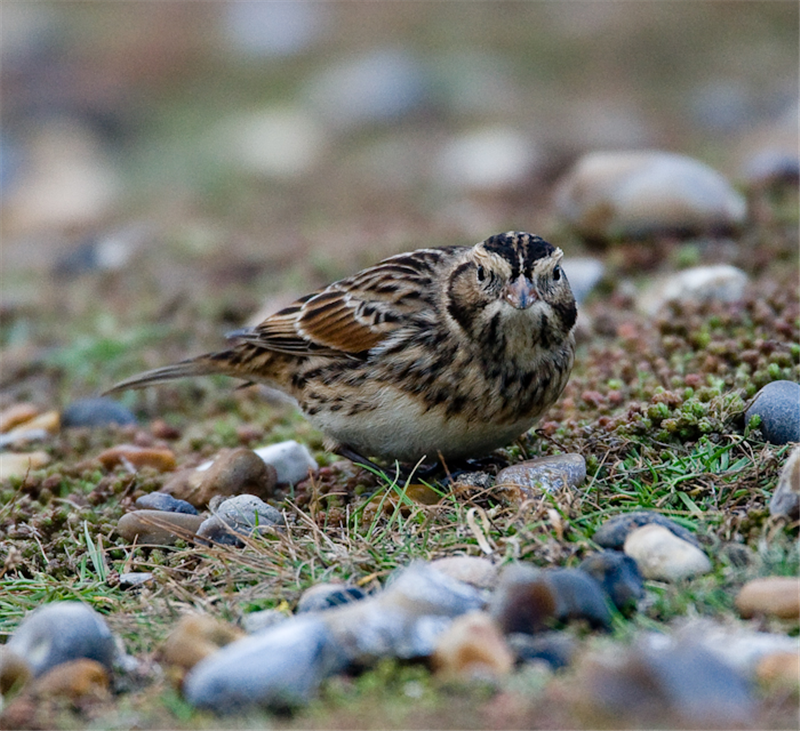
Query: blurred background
[{"x": 185, "y": 165}]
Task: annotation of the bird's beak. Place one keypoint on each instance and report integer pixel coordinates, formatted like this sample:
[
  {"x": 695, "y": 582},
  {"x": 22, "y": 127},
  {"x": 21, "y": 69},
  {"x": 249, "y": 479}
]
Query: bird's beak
[{"x": 521, "y": 293}]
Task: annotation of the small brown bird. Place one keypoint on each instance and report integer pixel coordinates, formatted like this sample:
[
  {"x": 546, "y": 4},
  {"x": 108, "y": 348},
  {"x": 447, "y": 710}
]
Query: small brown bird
[{"x": 453, "y": 351}]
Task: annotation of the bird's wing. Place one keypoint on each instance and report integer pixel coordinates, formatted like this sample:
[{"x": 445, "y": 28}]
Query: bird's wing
[{"x": 355, "y": 314}]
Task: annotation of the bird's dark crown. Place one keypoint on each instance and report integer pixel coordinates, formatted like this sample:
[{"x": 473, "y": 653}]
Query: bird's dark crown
[{"x": 510, "y": 244}]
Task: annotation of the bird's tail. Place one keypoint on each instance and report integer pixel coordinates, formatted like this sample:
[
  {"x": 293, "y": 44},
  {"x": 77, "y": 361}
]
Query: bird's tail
[{"x": 204, "y": 365}]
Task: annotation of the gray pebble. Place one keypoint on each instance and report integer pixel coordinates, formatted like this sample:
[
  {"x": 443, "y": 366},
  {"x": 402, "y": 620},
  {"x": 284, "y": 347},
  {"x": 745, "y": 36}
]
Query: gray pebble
[
  {"x": 619, "y": 576},
  {"x": 614, "y": 531},
  {"x": 778, "y": 405},
  {"x": 92, "y": 412},
  {"x": 326, "y": 596},
  {"x": 717, "y": 283},
  {"x": 638, "y": 193},
  {"x": 262, "y": 619},
  {"x": 279, "y": 667},
  {"x": 544, "y": 474},
  {"x": 60, "y": 632},
  {"x": 584, "y": 273},
  {"x": 167, "y": 503},
  {"x": 785, "y": 502},
  {"x": 242, "y": 515},
  {"x": 667, "y": 683},
  {"x": 291, "y": 460}
]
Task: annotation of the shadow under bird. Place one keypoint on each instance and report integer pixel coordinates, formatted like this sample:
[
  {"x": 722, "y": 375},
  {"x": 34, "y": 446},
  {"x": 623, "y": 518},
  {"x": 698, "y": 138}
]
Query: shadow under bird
[{"x": 450, "y": 352}]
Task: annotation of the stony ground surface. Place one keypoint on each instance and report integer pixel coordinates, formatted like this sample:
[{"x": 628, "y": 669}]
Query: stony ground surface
[{"x": 165, "y": 245}]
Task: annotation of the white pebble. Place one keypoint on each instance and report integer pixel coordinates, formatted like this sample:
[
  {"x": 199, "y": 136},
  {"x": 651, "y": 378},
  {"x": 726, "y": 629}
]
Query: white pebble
[{"x": 662, "y": 556}]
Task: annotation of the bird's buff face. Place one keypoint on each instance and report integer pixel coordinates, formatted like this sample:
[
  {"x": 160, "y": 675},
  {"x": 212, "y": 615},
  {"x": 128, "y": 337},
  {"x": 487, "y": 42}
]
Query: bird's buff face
[{"x": 511, "y": 277}]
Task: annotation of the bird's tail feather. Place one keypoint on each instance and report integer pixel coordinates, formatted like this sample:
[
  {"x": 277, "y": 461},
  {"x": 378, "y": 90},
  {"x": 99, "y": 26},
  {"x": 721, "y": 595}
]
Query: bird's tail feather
[{"x": 202, "y": 366}]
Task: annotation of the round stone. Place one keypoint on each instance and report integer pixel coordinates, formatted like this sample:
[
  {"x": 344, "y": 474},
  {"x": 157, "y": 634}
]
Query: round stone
[
  {"x": 617, "y": 194},
  {"x": 662, "y": 556},
  {"x": 545, "y": 474},
  {"x": 93, "y": 412},
  {"x": 778, "y": 405},
  {"x": 776, "y": 596},
  {"x": 167, "y": 503},
  {"x": 157, "y": 527},
  {"x": 60, "y": 632},
  {"x": 619, "y": 576}
]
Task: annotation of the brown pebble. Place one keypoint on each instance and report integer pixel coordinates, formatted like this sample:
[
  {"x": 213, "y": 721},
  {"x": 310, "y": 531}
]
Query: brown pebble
[
  {"x": 195, "y": 637},
  {"x": 16, "y": 414},
  {"x": 75, "y": 680},
  {"x": 776, "y": 596},
  {"x": 472, "y": 646},
  {"x": 18, "y": 464},
  {"x": 161, "y": 459},
  {"x": 161, "y": 430},
  {"x": 50, "y": 422},
  {"x": 157, "y": 527},
  {"x": 233, "y": 472},
  {"x": 780, "y": 669},
  {"x": 14, "y": 671}
]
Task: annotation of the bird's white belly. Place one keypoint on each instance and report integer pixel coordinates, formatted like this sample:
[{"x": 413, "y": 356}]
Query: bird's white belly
[{"x": 400, "y": 428}]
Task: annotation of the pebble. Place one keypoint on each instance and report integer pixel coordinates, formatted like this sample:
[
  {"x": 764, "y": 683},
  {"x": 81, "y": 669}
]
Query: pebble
[
  {"x": 280, "y": 667},
  {"x": 780, "y": 670},
  {"x": 244, "y": 515},
  {"x": 155, "y": 527},
  {"x": 372, "y": 87},
  {"x": 326, "y": 596},
  {"x": 195, "y": 637},
  {"x": 94, "y": 412},
  {"x": 292, "y": 461},
  {"x": 279, "y": 143},
  {"x": 662, "y": 556},
  {"x": 134, "y": 457},
  {"x": 59, "y": 632},
  {"x": 619, "y": 576},
  {"x": 665, "y": 683},
  {"x": 18, "y": 464},
  {"x": 76, "y": 680},
  {"x": 608, "y": 195},
  {"x": 475, "y": 570},
  {"x": 717, "y": 283},
  {"x": 37, "y": 428},
  {"x": 785, "y": 501},
  {"x": 233, "y": 472},
  {"x": 16, "y": 414},
  {"x": 493, "y": 158},
  {"x": 772, "y": 596},
  {"x": 584, "y": 274},
  {"x": 545, "y": 474},
  {"x": 557, "y": 649},
  {"x": 771, "y": 168},
  {"x": 472, "y": 647},
  {"x": 130, "y": 579},
  {"x": 405, "y": 619},
  {"x": 778, "y": 405},
  {"x": 614, "y": 531},
  {"x": 528, "y": 599},
  {"x": 165, "y": 502}
]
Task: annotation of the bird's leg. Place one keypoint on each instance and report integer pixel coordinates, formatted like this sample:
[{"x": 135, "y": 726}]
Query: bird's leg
[{"x": 356, "y": 458}]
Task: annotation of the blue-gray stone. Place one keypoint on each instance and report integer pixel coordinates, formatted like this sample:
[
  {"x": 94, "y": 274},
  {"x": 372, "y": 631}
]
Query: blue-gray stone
[
  {"x": 279, "y": 667},
  {"x": 92, "y": 412},
  {"x": 778, "y": 405},
  {"x": 165, "y": 502},
  {"x": 619, "y": 576},
  {"x": 60, "y": 632}
]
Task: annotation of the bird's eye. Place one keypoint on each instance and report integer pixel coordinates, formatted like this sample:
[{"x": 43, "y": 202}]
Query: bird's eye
[
  {"x": 557, "y": 273},
  {"x": 481, "y": 273}
]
